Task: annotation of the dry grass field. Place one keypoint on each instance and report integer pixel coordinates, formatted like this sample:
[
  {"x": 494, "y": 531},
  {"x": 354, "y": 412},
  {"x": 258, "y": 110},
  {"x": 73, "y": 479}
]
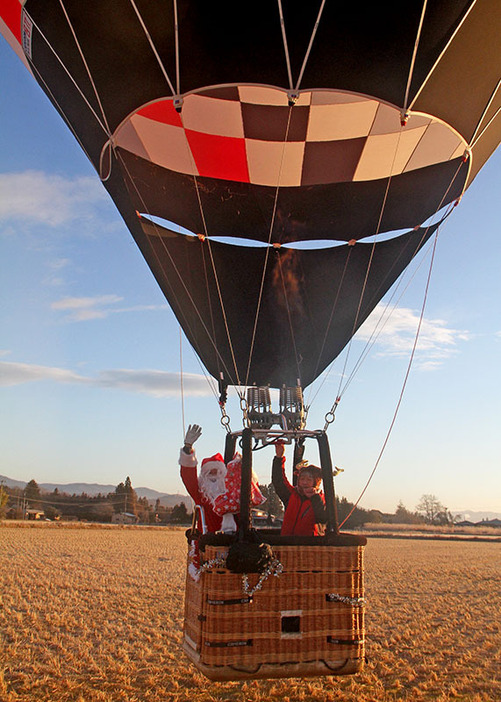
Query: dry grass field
[{"x": 95, "y": 615}]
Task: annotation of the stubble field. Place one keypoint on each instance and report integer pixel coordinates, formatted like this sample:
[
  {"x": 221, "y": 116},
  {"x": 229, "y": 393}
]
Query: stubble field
[{"x": 95, "y": 615}]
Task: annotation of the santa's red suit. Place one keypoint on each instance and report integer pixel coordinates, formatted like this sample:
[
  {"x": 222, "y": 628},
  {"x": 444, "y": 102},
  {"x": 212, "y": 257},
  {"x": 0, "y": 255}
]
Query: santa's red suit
[{"x": 195, "y": 486}]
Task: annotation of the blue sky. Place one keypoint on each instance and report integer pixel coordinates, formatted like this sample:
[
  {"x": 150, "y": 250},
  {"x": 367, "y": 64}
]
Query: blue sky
[{"x": 90, "y": 351}]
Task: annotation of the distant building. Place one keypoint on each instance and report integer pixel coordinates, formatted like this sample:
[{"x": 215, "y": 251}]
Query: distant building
[
  {"x": 124, "y": 518},
  {"x": 490, "y": 523},
  {"x": 34, "y": 514}
]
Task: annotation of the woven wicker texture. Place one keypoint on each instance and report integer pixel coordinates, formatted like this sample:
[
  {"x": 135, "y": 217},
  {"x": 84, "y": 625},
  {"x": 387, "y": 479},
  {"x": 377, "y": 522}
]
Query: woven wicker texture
[{"x": 309, "y": 619}]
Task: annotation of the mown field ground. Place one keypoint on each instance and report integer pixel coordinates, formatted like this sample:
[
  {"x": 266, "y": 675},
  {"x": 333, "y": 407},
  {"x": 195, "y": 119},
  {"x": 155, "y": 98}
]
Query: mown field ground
[{"x": 95, "y": 615}]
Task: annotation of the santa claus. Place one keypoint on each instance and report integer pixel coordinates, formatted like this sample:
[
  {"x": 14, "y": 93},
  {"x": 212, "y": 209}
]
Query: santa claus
[
  {"x": 217, "y": 488},
  {"x": 205, "y": 488}
]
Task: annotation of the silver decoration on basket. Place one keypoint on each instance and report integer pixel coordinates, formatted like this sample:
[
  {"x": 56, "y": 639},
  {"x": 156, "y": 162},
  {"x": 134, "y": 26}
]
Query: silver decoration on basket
[
  {"x": 274, "y": 568},
  {"x": 353, "y": 601}
]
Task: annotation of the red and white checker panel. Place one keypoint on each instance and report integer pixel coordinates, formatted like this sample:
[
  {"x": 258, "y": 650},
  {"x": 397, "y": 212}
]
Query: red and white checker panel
[{"x": 250, "y": 134}]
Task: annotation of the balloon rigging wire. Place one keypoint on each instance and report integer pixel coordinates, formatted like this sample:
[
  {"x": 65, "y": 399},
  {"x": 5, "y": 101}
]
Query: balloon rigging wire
[
  {"x": 286, "y": 47},
  {"x": 478, "y": 136},
  {"x": 181, "y": 378},
  {"x": 406, "y": 377},
  {"x": 41, "y": 79},
  {"x": 413, "y": 59},
  {"x": 216, "y": 280},
  {"x": 385, "y": 315},
  {"x": 153, "y": 47},
  {"x": 267, "y": 254},
  {"x": 287, "y": 306},
  {"x": 202, "y": 214},
  {"x": 413, "y": 352},
  {"x": 89, "y": 73},
  {"x": 375, "y": 333},
  {"x": 369, "y": 265},
  {"x": 173, "y": 263},
  {"x": 164, "y": 71},
  {"x": 82, "y": 95},
  {"x": 308, "y": 50},
  {"x": 146, "y": 209},
  {"x": 119, "y": 158},
  {"x": 176, "y": 44},
  {"x": 442, "y": 54},
  {"x": 334, "y": 307}
]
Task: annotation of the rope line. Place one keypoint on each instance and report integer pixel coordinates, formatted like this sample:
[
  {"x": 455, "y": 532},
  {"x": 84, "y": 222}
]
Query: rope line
[
  {"x": 442, "y": 54},
  {"x": 82, "y": 56},
  {"x": 176, "y": 42},
  {"x": 82, "y": 95},
  {"x": 284, "y": 39},
  {"x": 181, "y": 378},
  {"x": 334, "y": 307},
  {"x": 308, "y": 50},
  {"x": 162, "y": 267},
  {"x": 413, "y": 59},
  {"x": 406, "y": 377},
  {"x": 369, "y": 264},
  {"x": 268, "y": 249},
  {"x": 153, "y": 47},
  {"x": 289, "y": 317}
]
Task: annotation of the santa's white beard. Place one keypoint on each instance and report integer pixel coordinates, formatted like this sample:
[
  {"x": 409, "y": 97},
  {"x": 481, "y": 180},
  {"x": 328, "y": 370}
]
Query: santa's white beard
[{"x": 211, "y": 489}]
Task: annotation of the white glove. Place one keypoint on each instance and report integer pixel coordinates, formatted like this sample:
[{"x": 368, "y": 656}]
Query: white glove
[{"x": 193, "y": 433}]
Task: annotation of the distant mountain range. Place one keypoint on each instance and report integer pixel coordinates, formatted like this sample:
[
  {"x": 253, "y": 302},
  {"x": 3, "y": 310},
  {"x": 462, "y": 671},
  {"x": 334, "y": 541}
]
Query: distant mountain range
[
  {"x": 91, "y": 489},
  {"x": 168, "y": 500}
]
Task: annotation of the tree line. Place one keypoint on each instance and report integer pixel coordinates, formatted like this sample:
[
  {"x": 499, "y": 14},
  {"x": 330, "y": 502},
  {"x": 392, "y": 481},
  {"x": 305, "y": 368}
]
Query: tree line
[{"x": 19, "y": 503}]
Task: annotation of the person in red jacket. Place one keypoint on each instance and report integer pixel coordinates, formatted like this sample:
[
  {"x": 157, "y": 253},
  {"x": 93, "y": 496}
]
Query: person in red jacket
[
  {"x": 305, "y": 512},
  {"x": 206, "y": 487}
]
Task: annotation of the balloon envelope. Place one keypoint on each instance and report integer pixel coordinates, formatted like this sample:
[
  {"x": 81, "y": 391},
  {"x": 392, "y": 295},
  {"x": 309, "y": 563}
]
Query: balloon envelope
[{"x": 370, "y": 121}]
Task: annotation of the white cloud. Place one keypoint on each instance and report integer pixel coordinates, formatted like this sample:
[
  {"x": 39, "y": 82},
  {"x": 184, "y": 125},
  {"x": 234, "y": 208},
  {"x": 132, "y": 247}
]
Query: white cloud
[
  {"x": 19, "y": 373},
  {"x": 394, "y": 335},
  {"x": 82, "y": 309},
  {"x": 146, "y": 382},
  {"x": 54, "y": 279},
  {"x": 155, "y": 383},
  {"x": 34, "y": 196},
  {"x": 79, "y": 309}
]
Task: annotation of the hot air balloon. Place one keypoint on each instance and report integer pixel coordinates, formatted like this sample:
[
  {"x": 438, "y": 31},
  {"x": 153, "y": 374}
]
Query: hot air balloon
[{"x": 210, "y": 124}]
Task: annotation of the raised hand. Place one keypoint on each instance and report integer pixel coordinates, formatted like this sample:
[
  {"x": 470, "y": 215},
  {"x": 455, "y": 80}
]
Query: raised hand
[{"x": 193, "y": 433}]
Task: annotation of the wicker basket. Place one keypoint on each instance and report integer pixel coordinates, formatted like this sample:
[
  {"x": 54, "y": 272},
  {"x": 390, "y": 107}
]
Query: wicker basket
[{"x": 308, "y": 620}]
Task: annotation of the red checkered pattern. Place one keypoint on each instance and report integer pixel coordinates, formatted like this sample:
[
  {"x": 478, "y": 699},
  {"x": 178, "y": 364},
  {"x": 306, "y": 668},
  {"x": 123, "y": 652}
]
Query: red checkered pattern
[{"x": 250, "y": 134}]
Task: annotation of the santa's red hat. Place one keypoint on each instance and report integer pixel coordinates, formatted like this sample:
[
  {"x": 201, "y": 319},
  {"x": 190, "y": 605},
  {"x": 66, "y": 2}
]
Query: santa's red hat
[{"x": 212, "y": 462}]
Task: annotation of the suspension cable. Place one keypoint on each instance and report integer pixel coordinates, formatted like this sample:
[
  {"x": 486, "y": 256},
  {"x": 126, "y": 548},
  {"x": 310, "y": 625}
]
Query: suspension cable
[
  {"x": 286, "y": 47},
  {"x": 308, "y": 50},
  {"x": 369, "y": 265},
  {"x": 267, "y": 254},
  {"x": 77, "y": 87},
  {"x": 153, "y": 47},
  {"x": 173, "y": 263},
  {"x": 216, "y": 279},
  {"x": 89, "y": 73},
  {"x": 406, "y": 377},
  {"x": 413, "y": 61},
  {"x": 181, "y": 378},
  {"x": 442, "y": 54},
  {"x": 287, "y": 306}
]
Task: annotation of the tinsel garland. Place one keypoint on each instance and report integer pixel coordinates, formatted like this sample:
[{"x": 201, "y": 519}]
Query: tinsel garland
[
  {"x": 274, "y": 568},
  {"x": 353, "y": 601}
]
